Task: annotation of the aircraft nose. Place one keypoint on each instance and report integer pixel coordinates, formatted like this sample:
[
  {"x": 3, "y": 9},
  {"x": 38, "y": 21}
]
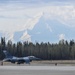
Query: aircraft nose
[{"x": 37, "y": 58}]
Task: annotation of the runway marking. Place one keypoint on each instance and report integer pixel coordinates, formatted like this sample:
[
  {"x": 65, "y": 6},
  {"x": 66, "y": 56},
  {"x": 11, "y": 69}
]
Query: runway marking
[{"x": 57, "y": 68}]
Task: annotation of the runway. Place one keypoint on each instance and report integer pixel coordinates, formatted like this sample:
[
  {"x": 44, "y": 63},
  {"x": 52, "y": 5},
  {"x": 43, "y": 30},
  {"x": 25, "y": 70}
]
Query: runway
[{"x": 37, "y": 70}]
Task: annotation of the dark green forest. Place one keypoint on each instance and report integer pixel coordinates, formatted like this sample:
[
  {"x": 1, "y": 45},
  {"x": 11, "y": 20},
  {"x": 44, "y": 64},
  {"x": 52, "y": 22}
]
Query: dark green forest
[{"x": 63, "y": 50}]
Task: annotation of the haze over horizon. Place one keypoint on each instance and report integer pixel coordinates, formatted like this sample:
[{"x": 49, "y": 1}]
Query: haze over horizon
[{"x": 37, "y": 20}]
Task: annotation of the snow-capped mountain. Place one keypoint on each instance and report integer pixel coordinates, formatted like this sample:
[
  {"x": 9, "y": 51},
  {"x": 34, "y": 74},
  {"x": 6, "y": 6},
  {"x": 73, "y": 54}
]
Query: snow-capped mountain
[{"x": 47, "y": 30}]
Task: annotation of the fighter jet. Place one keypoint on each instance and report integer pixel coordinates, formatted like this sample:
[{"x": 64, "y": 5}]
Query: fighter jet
[{"x": 19, "y": 60}]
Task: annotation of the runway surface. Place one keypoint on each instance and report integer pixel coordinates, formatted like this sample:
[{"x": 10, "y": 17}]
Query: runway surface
[{"x": 37, "y": 70}]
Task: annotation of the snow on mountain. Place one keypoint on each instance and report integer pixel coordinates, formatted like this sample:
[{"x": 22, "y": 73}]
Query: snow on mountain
[{"x": 47, "y": 30}]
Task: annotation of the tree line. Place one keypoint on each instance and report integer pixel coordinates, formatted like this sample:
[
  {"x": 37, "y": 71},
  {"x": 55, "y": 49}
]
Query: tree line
[{"x": 63, "y": 50}]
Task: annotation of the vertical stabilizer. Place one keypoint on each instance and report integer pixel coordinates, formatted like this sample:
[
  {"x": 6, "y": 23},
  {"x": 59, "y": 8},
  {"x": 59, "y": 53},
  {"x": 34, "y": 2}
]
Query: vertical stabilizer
[{"x": 7, "y": 55}]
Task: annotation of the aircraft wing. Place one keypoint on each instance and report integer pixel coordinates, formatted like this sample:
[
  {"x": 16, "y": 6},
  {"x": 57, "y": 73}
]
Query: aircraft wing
[{"x": 23, "y": 60}]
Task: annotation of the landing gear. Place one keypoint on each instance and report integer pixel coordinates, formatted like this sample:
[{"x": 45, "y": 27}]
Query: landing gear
[
  {"x": 55, "y": 64},
  {"x": 1, "y": 63}
]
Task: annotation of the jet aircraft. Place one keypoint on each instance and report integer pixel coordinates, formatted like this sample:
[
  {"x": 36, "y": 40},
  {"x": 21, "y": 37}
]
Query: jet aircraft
[{"x": 19, "y": 60}]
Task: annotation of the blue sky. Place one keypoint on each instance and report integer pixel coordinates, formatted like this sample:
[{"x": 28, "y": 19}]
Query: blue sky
[
  {"x": 36, "y": 1},
  {"x": 18, "y": 17}
]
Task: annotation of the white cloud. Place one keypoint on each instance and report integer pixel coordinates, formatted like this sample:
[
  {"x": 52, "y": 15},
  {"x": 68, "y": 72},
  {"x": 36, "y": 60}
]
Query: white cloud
[
  {"x": 64, "y": 14},
  {"x": 31, "y": 22},
  {"x": 16, "y": 22},
  {"x": 61, "y": 36},
  {"x": 8, "y": 36}
]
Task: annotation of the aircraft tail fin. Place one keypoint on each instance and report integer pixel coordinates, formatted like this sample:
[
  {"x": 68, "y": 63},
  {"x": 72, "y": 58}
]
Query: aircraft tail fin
[{"x": 7, "y": 55}]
